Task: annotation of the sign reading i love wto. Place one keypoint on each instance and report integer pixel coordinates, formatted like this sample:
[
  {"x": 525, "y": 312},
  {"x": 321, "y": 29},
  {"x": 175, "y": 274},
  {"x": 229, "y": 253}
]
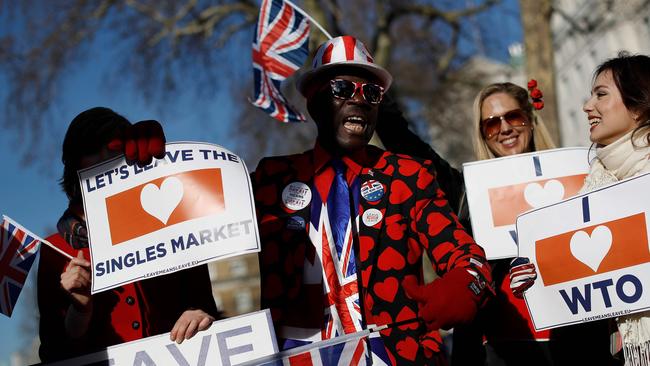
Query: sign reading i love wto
[
  {"x": 193, "y": 206},
  {"x": 498, "y": 190},
  {"x": 591, "y": 253}
]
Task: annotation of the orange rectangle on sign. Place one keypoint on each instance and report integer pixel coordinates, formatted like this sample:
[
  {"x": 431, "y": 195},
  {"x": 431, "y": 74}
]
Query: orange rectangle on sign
[
  {"x": 507, "y": 202},
  {"x": 591, "y": 250},
  {"x": 163, "y": 202}
]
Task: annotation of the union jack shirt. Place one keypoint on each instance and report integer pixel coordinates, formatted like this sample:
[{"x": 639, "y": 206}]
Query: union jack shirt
[{"x": 332, "y": 268}]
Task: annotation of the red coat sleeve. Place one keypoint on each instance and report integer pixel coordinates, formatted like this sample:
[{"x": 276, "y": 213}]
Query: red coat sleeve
[{"x": 440, "y": 233}]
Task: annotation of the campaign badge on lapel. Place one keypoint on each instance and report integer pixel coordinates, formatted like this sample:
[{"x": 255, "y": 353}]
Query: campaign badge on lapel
[
  {"x": 295, "y": 223},
  {"x": 372, "y": 190},
  {"x": 371, "y": 217},
  {"x": 296, "y": 196}
]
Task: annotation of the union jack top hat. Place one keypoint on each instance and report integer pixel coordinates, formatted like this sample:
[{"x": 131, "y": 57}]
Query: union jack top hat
[{"x": 342, "y": 51}]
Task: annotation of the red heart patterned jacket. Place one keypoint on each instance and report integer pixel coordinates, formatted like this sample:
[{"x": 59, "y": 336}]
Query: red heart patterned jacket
[{"x": 416, "y": 220}]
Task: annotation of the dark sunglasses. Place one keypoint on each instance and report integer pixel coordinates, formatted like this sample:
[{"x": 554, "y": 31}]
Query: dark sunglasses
[
  {"x": 346, "y": 89},
  {"x": 491, "y": 126}
]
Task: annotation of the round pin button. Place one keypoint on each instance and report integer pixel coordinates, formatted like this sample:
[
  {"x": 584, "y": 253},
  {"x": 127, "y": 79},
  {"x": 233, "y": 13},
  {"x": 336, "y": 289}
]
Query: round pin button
[
  {"x": 296, "y": 196},
  {"x": 295, "y": 223},
  {"x": 371, "y": 217},
  {"x": 372, "y": 190}
]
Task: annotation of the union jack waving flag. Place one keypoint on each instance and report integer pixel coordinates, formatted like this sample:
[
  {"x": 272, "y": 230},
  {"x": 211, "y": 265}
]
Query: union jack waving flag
[
  {"x": 280, "y": 47},
  {"x": 346, "y": 350},
  {"x": 18, "y": 250}
]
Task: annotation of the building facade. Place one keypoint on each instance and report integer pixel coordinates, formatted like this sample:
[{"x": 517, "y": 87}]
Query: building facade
[
  {"x": 586, "y": 33},
  {"x": 236, "y": 284}
]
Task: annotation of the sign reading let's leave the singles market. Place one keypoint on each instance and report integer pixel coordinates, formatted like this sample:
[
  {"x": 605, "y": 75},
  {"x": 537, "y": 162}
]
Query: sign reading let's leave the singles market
[
  {"x": 193, "y": 206},
  {"x": 500, "y": 189},
  {"x": 591, "y": 253}
]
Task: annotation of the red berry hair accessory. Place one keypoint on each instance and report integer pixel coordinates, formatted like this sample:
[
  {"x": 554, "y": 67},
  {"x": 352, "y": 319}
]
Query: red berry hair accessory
[{"x": 535, "y": 94}]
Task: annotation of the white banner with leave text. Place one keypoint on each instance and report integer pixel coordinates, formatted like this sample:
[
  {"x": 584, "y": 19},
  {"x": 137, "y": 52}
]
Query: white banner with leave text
[
  {"x": 193, "y": 206},
  {"x": 591, "y": 253},
  {"x": 231, "y": 341},
  {"x": 500, "y": 189}
]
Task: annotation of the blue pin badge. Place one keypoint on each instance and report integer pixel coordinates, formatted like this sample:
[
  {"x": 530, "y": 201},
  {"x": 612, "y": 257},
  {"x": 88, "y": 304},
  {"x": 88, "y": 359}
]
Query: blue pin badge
[
  {"x": 295, "y": 223},
  {"x": 372, "y": 190}
]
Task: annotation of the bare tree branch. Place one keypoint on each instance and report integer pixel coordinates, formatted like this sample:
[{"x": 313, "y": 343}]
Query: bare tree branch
[
  {"x": 444, "y": 62},
  {"x": 449, "y": 16},
  {"x": 157, "y": 38},
  {"x": 336, "y": 15}
]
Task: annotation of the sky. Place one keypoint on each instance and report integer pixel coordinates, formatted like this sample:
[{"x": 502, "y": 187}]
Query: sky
[{"x": 32, "y": 195}]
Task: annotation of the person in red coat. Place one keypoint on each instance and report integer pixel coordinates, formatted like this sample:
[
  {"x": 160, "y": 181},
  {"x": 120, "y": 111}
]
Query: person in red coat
[
  {"x": 344, "y": 227},
  {"x": 72, "y": 321}
]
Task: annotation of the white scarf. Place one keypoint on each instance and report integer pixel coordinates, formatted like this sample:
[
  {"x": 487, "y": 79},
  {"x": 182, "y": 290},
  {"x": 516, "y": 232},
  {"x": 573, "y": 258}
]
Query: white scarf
[
  {"x": 619, "y": 160},
  {"x": 614, "y": 162}
]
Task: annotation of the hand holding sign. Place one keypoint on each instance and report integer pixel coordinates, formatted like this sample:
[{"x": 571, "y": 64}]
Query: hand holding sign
[
  {"x": 522, "y": 276},
  {"x": 447, "y": 301},
  {"x": 140, "y": 142},
  {"x": 190, "y": 322}
]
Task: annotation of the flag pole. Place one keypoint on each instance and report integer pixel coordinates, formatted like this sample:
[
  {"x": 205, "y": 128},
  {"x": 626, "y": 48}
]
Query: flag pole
[
  {"x": 379, "y": 328},
  {"x": 36, "y": 237},
  {"x": 299, "y": 10},
  {"x": 328, "y": 342},
  {"x": 57, "y": 249}
]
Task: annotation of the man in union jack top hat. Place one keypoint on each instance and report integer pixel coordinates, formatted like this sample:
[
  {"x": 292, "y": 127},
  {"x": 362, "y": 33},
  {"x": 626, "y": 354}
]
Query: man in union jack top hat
[{"x": 345, "y": 225}]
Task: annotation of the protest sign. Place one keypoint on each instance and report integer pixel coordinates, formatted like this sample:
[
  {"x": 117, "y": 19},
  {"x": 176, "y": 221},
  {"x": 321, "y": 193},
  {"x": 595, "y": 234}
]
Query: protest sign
[
  {"x": 591, "y": 253},
  {"x": 193, "y": 206},
  {"x": 500, "y": 189},
  {"x": 231, "y": 341}
]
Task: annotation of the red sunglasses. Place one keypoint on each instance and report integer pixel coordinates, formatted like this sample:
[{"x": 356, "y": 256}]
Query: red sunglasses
[
  {"x": 346, "y": 89},
  {"x": 491, "y": 126}
]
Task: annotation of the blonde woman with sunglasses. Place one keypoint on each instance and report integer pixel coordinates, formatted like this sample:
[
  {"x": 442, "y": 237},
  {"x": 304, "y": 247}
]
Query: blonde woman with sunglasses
[{"x": 505, "y": 123}]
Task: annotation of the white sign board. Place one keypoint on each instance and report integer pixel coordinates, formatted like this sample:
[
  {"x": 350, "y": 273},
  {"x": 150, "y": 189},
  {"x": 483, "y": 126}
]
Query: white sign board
[
  {"x": 500, "y": 189},
  {"x": 232, "y": 341},
  {"x": 193, "y": 206},
  {"x": 591, "y": 253}
]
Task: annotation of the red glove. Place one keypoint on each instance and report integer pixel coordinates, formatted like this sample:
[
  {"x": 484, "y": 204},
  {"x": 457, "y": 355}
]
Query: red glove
[
  {"x": 447, "y": 301},
  {"x": 140, "y": 142},
  {"x": 522, "y": 276}
]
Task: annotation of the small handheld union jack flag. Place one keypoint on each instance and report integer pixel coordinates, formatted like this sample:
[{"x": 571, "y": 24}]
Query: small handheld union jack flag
[
  {"x": 18, "y": 250},
  {"x": 280, "y": 47},
  {"x": 346, "y": 350}
]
